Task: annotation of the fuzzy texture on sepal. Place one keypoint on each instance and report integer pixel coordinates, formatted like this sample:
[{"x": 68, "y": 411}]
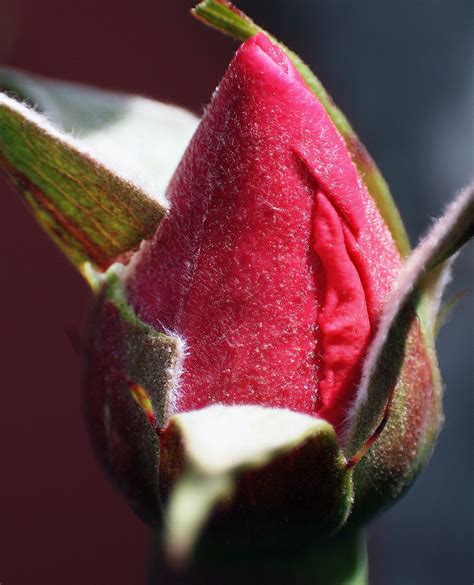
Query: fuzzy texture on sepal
[
  {"x": 100, "y": 193},
  {"x": 247, "y": 462},
  {"x": 414, "y": 413},
  {"x": 419, "y": 285},
  {"x": 130, "y": 374},
  {"x": 138, "y": 138}
]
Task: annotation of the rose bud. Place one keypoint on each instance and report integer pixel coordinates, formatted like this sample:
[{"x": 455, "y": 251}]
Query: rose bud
[
  {"x": 273, "y": 264},
  {"x": 264, "y": 363},
  {"x": 268, "y": 277}
]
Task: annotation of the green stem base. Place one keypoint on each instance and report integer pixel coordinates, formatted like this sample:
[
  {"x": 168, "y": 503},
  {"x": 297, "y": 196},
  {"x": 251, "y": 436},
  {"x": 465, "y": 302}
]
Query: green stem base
[{"x": 341, "y": 560}]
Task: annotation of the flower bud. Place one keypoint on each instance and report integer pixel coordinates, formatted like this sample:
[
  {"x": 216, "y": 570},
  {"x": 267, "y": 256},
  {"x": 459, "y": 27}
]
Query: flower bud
[
  {"x": 259, "y": 304},
  {"x": 273, "y": 263}
]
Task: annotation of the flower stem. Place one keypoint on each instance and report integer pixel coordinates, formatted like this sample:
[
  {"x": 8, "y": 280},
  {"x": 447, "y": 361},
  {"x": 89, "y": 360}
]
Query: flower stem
[{"x": 341, "y": 560}]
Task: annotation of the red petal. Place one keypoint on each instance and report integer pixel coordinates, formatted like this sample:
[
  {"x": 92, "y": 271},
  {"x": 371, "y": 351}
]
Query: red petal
[{"x": 233, "y": 268}]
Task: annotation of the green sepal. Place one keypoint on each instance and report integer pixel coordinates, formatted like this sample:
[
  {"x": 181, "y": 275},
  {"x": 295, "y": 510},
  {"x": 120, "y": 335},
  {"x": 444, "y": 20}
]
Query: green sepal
[
  {"x": 258, "y": 470},
  {"x": 403, "y": 421},
  {"x": 97, "y": 196},
  {"x": 225, "y": 17},
  {"x": 128, "y": 382},
  {"x": 151, "y": 356},
  {"x": 401, "y": 450},
  {"x": 400, "y": 339}
]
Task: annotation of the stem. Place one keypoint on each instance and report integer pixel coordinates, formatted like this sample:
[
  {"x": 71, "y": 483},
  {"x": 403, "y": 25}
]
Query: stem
[{"x": 341, "y": 560}]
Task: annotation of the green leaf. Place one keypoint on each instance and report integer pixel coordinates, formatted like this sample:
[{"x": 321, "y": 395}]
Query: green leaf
[
  {"x": 225, "y": 17},
  {"x": 282, "y": 457},
  {"x": 413, "y": 292},
  {"x": 99, "y": 195}
]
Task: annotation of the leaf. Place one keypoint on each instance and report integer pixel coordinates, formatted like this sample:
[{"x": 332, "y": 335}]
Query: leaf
[
  {"x": 139, "y": 137},
  {"x": 414, "y": 288},
  {"x": 98, "y": 196},
  {"x": 286, "y": 459},
  {"x": 225, "y": 17}
]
